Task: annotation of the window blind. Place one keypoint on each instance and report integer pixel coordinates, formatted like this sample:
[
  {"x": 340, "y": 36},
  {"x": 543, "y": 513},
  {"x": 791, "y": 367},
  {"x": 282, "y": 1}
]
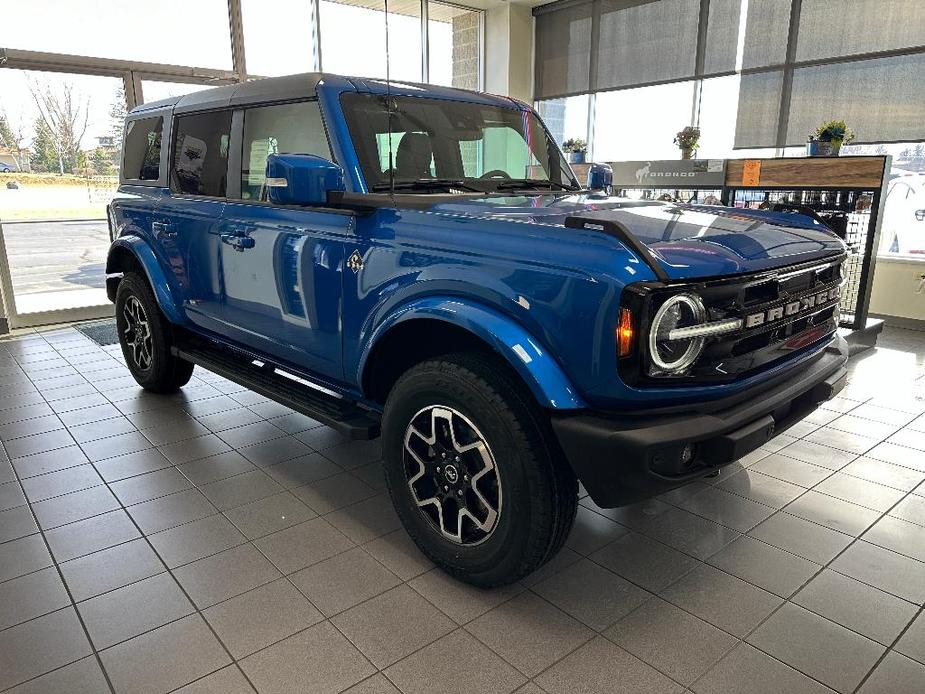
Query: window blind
[
  {"x": 882, "y": 100},
  {"x": 759, "y": 107},
  {"x": 861, "y": 61},
  {"x": 646, "y": 43},
  {"x": 563, "y": 51},
  {"x": 722, "y": 31},
  {"x": 831, "y": 29},
  {"x": 767, "y": 26}
]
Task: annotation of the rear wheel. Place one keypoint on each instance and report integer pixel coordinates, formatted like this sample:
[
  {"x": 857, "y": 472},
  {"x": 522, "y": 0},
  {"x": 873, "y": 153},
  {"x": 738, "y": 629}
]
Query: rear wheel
[
  {"x": 146, "y": 336},
  {"x": 474, "y": 471}
]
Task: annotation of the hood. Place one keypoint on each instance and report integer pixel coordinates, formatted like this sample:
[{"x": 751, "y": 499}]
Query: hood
[{"x": 690, "y": 241}]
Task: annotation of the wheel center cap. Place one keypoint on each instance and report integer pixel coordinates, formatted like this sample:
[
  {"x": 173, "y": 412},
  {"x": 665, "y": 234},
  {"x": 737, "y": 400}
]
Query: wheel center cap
[{"x": 451, "y": 474}]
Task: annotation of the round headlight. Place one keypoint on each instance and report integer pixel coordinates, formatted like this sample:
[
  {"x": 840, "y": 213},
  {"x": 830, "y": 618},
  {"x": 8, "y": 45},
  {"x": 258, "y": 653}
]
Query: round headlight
[{"x": 679, "y": 311}]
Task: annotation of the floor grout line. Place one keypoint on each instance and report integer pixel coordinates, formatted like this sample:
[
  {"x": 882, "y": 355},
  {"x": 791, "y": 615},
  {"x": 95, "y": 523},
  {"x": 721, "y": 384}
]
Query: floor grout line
[
  {"x": 855, "y": 539},
  {"x": 177, "y": 582},
  {"x": 67, "y": 589}
]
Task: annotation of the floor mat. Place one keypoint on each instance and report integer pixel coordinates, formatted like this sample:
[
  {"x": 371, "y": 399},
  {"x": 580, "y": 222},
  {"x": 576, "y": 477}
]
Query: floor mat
[{"x": 102, "y": 332}]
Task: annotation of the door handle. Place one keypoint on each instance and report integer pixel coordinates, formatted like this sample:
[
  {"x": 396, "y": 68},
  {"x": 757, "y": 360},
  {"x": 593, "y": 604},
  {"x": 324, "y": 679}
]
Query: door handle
[
  {"x": 239, "y": 243},
  {"x": 163, "y": 230}
]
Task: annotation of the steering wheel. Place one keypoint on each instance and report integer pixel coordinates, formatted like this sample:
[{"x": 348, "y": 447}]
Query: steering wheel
[{"x": 496, "y": 173}]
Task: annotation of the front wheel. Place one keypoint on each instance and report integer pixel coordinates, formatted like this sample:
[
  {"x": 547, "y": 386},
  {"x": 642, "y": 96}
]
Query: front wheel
[
  {"x": 146, "y": 337},
  {"x": 474, "y": 471}
]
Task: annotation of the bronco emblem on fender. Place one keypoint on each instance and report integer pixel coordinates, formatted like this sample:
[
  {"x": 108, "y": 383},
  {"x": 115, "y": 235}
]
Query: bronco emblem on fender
[{"x": 355, "y": 262}]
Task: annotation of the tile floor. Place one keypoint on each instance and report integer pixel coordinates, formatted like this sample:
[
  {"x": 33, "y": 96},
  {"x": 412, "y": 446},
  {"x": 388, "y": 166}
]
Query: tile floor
[{"x": 214, "y": 541}]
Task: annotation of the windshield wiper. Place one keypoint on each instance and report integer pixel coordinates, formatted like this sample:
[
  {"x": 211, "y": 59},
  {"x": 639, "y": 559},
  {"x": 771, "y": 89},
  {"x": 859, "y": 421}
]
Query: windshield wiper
[
  {"x": 427, "y": 184},
  {"x": 525, "y": 183}
]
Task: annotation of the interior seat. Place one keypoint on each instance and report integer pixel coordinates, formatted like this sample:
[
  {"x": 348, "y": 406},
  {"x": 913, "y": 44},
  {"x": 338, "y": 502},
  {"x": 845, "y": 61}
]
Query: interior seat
[{"x": 413, "y": 156}]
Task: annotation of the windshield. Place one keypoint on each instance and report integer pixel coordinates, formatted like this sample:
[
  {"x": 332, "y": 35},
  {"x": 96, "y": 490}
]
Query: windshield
[{"x": 438, "y": 144}]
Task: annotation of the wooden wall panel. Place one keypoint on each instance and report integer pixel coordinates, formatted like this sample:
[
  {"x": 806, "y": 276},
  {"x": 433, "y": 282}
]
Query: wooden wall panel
[{"x": 813, "y": 172}]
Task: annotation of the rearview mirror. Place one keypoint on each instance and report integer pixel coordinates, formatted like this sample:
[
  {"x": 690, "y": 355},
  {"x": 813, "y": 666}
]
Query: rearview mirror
[
  {"x": 302, "y": 179},
  {"x": 600, "y": 177}
]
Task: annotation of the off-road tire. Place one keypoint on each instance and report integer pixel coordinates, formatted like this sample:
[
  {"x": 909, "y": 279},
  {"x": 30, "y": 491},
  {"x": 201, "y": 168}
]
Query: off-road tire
[
  {"x": 539, "y": 489},
  {"x": 165, "y": 372}
]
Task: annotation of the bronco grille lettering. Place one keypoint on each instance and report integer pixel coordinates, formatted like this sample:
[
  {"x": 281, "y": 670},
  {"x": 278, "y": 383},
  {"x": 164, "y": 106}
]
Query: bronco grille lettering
[{"x": 793, "y": 308}]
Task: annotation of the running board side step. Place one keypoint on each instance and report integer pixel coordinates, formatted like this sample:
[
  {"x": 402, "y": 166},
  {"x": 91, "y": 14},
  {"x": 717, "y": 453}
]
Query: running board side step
[{"x": 345, "y": 416}]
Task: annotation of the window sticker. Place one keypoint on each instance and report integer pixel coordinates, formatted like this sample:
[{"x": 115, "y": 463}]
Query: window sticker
[
  {"x": 257, "y": 165},
  {"x": 191, "y": 156}
]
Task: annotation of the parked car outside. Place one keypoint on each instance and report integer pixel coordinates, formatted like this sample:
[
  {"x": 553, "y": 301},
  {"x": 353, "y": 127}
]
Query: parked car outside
[
  {"x": 420, "y": 262},
  {"x": 903, "y": 227}
]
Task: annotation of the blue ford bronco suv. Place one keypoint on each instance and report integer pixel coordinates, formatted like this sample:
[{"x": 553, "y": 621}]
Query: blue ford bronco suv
[{"x": 420, "y": 263}]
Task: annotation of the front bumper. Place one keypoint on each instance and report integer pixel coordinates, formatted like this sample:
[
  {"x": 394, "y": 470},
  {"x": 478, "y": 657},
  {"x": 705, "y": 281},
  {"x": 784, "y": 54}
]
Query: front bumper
[{"x": 623, "y": 458}]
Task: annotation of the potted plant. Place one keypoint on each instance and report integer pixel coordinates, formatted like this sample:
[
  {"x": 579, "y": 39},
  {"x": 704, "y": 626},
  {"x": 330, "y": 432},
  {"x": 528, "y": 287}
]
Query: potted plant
[
  {"x": 688, "y": 140},
  {"x": 576, "y": 149},
  {"x": 831, "y": 135}
]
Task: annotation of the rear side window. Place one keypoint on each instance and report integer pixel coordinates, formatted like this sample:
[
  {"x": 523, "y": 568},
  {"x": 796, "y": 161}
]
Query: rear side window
[
  {"x": 200, "y": 157},
  {"x": 142, "y": 160},
  {"x": 283, "y": 129}
]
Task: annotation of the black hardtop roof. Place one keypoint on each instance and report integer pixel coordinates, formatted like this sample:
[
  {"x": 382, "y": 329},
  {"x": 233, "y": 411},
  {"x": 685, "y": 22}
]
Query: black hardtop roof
[
  {"x": 269, "y": 89},
  {"x": 305, "y": 86}
]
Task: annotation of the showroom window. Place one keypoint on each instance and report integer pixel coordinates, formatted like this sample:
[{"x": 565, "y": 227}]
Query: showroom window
[
  {"x": 94, "y": 64},
  {"x": 454, "y": 37},
  {"x": 567, "y": 118},
  {"x": 902, "y": 230},
  {"x": 451, "y": 56},
  {"x": 787, "y": 81},
  {"x": 284, "y": 129},
  {"x": 718, "y": 113},
  {"x": 142, "y": 158},
  {"x": 155, "y": 90},
  {"x": 633, "y": 124},
  {"x": 169, "y": 32},
  {"x": 64, "y": 145},
  {"x": 200, "y": 158},
  {"x": 353, "y": 39},
  {"x": 281, "y": 40}
]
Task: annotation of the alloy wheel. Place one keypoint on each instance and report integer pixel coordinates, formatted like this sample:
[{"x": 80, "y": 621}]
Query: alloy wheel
[
  {"x": 137, "y": 333},
  {"x": 452, "y": 475}
]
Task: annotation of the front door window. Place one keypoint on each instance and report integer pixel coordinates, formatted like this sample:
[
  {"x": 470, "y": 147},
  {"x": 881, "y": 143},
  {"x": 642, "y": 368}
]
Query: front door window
[{"x": 283, "y": 129}]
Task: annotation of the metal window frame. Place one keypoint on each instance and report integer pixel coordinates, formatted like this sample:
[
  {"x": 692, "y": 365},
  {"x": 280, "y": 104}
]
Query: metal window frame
[
  {"x": 236, "y": 36},
  {"x": 425, "y": 40}
]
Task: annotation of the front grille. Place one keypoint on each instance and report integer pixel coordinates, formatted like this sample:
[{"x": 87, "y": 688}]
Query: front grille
[{"x": 783, "y": 312}]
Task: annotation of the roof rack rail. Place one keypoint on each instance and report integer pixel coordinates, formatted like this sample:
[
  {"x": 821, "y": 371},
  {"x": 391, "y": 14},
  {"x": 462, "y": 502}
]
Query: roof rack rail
[{"x": 620, "y": 232}]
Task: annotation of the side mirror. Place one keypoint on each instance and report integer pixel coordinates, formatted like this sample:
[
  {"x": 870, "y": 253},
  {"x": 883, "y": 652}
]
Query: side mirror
[
  {"x": 302, "y": 179},
  {"x": 600, "y": 177},
  {"x": 920, "y": 215}
]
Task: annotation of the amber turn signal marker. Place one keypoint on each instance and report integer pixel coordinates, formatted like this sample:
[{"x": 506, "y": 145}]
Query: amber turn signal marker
[{"x": 625, "y": 333}]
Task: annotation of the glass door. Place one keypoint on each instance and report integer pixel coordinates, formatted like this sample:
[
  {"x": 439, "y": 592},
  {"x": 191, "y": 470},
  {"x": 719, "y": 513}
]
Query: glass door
[{"x": 65, "y": 139}]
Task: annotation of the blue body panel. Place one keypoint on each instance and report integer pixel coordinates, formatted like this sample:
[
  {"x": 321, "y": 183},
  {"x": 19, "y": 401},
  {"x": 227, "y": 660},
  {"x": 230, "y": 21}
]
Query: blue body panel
[
  {"x": 689, "y": 241},
  {"x": 535, "y": 365},
  {"x": 506, "y": 269},
  {"x": 283, "y": 296}
]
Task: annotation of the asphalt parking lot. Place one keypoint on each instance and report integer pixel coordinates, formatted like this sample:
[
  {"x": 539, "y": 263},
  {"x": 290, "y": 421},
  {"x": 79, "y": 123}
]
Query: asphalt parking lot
[{"x": 53, "y": 257}]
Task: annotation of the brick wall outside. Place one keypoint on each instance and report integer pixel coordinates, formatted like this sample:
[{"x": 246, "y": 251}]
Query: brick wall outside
[{"x": 466, "y": 50}]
